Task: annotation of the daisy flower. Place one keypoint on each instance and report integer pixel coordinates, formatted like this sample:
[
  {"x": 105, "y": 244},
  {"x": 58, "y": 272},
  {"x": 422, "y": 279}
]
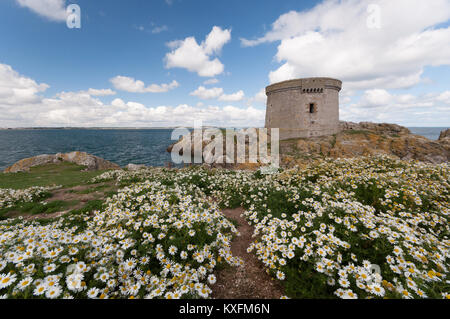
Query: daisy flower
[
  {"x": 24, "y": 283},
  {"x": 6, "y": 280},
  {"x": 53, "y": 292},
  {"x": 212, "y": 279},
  {"x": 280, "y": 275},
  {"x": 39, "y": 290},
  {"x": 93, "y": 292}
]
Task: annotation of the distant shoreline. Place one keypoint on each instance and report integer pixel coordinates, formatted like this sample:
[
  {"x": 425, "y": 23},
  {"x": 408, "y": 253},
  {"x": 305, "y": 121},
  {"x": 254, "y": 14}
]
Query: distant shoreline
[
  {"x": 87, "y": 128},
  {"x": 144, "y": 128},
  {"x": 101, "y": 128}
]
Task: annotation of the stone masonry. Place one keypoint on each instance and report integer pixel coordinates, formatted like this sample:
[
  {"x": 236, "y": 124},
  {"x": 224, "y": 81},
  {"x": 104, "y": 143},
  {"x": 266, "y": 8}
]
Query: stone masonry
[{"x": 304, "y": 108}]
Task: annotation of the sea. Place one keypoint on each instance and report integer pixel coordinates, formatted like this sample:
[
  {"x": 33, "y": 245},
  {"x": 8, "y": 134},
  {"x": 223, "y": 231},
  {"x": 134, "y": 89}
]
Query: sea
[{"x": 121, "y": 146}]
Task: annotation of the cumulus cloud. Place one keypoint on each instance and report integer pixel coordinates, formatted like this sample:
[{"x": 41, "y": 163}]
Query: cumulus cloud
[
  {"x": 211, "y": 81},
  {"x": 52, "y": 9},
  {"x": 125, "y": 83},
  {"x": 199, "y": 58},
  {"x": 259, "y": 98},
  {"x": 21, "y": 105},
  {"x": 217, "y": 93},
  {"x": 378, "y": 105},
  {"x": 207, "y": 94},
  {"x": 80, "y": 109},
  {"x": 235, "y": 97},
  {"x": 17, "y": 89},
  {"x": 376, "y": 98},
  {"x": 335, "y": 39},
  {"x": 102, "y": 92}
]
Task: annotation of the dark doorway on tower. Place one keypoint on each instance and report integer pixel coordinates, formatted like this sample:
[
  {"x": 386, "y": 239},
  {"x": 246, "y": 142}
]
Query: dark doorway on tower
[{"x": 312, "y": 108}]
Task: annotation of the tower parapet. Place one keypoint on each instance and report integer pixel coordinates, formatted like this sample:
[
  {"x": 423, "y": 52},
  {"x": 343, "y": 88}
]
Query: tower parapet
[{"x": 302, "y": 108}]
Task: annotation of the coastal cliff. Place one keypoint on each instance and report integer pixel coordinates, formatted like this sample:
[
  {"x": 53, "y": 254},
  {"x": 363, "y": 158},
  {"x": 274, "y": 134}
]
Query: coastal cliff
[
  {"x": 365, "y": 139},
  {"x": 360, "y": 139}
]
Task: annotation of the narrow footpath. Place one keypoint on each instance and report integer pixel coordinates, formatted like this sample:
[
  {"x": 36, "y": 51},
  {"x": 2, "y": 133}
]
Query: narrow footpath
[{"x": 250, "y": 281}]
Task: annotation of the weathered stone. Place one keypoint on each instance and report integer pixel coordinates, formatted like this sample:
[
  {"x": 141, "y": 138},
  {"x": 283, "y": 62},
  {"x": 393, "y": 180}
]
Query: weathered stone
[
  {"x": 383, "y": 128},
  {"x": 134, "y": 167},
  {"x": 360, "y": 141},
  {"x": 80, "y": 158},
  {"x": 304, "y": 107},
  {"x": 444, "y": 134}
]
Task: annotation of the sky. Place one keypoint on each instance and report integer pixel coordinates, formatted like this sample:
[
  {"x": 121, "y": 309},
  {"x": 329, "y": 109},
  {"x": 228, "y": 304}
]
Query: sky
[{"x": 162, "y": 63}]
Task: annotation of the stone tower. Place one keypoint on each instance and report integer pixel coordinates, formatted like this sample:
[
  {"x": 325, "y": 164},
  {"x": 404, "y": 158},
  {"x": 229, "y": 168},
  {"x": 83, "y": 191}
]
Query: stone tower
[{"x": 304, "y": 107}]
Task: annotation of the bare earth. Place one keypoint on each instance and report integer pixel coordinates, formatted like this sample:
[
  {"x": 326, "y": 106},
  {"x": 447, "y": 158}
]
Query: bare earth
[
  {"x": 250, "y": 281},
  {"x": 69, "y": 194}
]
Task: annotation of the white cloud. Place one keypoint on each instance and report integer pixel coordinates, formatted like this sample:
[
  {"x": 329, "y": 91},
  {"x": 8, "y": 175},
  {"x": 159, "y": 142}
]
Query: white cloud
[
  {"x": 217, "y": 93},
  {"x": 333, "y": 39},
  {"x": 52, "y": 9},
  {"x": 207, "y": 94},
  {"x": 259, "y": 98},
  {"x": 377, "y": 98},
  {"x": 215, "y": 40},
  {"x": 235, "y": 97},
  {"x": 378, "y": 105},
  {"x": 22, "y": 106},
  {"x": 80, "y": 109},
  {"x": 188, "y": 54},
  {"x": 102, "y": 92},
  {"x": 129, "y": 84},
  {"x": 118, "y": 103},
  {"x": 444, "y": 97},
  {"x": 17, "y": 89},
  {"x": 159, "y": 29},
  {"x": 211, "y": 81},
  {"x": 154, "y": 29}
]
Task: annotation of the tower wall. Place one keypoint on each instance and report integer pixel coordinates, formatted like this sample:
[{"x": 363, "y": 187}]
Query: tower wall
[{"x": 304, "y": 107}]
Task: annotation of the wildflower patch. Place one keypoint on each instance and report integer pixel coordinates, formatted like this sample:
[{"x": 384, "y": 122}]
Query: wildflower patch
[{"x": 351, "y": 228}]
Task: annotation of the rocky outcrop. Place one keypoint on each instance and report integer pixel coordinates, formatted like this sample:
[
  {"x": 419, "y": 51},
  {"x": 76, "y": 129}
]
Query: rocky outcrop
[
  {"x": 365, "y": 139},
  {"x": 444, "y": 138},
  {"x": 383, "y": 128},
  {"x": 80, "y": 158},
  {"x": 135, "y": 167},
  {"x": 444, "y": 134},
  {"x": 222, "y": 161},
  {"x": 359, "y": 139}
]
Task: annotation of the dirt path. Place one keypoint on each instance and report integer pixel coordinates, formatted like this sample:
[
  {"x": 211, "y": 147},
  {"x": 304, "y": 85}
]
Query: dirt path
[
  {"x": 250, "y": 281},
  {"x": 80, "y": 195}
]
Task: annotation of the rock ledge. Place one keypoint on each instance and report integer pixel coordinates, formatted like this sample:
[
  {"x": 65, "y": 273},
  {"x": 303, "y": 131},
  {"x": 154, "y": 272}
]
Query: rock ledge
[{"x": 80, "y": 158}]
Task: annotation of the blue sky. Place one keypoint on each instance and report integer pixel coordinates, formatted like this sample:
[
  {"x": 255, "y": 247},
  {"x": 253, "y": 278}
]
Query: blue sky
[{"x": 50, "y": 75}]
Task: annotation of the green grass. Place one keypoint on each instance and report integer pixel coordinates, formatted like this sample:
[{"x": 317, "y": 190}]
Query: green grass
[
  {"x": 35, "y": 208},
  {"x": 65, "y": 174},
  {"x": 90, "y": 206},
  {"x": 92, "y": 189}
]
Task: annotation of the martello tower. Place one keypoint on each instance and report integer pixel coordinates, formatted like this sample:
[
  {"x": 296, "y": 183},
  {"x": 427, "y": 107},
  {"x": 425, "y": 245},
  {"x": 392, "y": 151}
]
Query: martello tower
[{"x": 304, "y": 107}]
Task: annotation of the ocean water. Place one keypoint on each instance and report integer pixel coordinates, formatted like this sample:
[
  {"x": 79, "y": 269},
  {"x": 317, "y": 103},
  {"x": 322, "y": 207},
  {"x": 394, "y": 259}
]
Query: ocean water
[
  {"x": 139, "y": 146},
  {"x": 429, "y": 132},
  {"x": 121, "y": 146}
]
